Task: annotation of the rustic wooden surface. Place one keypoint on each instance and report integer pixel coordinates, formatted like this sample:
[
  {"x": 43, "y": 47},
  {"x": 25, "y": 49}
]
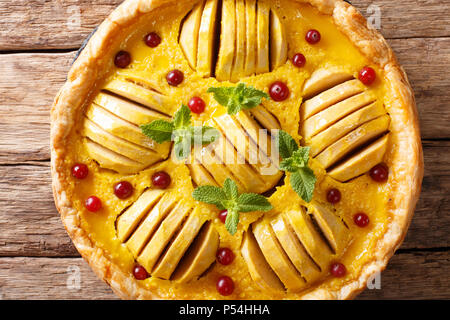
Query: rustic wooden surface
[{"x": 38, "y": 41}]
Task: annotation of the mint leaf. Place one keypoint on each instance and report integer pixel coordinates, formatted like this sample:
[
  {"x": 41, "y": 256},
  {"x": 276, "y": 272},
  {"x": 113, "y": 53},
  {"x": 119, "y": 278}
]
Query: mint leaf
[
  {"x": 286, "y": 144},
  {"x": 181, "y": 132},
  {"x": 253, "y": 202},
  {"x": 238, "y": 98},
  {"x": 232, "y": 221},
  {"x": 295, "y": 160},
  {"x": 303, "y": 182},
  {"x": 210, "y": 194},
  {"x": 230, "y": 188},
  {"x": 158, "y": 130},
  {"x": 228, "y": 198},
  {"x": 182, "y": 118}
]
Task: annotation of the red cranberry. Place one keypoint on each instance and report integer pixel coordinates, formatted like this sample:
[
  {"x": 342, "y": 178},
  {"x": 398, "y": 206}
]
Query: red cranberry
[
  {"x": 225, "y": 285},
  {"x": 312, "y": 36},
  {"x": 279, "y": 91},
  {"x": 93, "y": 204},
  {"x": 152, "y": 39},
  {"x": 333, "y": 196},
  {"x": 223, "y": 215},
  {"x": 298, "y": 60},
  {"x": 338, "y": 270},
  {"x": 122, "y": 59},
  {"x": 367, "y": 75},
  {"x": 80, "y": 171},
  {"x": 123, "y": 189},
  {"x": 139, "y": 272},
  {"x": 161, "y": 179},
  {"x": 379, "y": 173},
  {"x": 225, "y": 256},
  {"x": 361, "y": 220},
  {"x": 197, "y": 105},
  {"x": 175, "y": 77}
]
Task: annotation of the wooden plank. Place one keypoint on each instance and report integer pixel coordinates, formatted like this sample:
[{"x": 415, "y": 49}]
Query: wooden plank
[
  {"x": 23, "y": 102},
  {"x": 417, "y": 275},
  {"x": 36, "y": 230},
  {"x": 408, "y": 19},
  {"x": 424, "y": 60},
  {"x": 40, "y": 24},
  {"x": 50, "y": 278},
  {"x": 28, "y": 85}
]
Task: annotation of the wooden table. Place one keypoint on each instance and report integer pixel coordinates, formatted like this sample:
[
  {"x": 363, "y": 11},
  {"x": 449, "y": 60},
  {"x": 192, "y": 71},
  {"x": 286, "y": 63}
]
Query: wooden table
[{"x": 38, "y": 40}]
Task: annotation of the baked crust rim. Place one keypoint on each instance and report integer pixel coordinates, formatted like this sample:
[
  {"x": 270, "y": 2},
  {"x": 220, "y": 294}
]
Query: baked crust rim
[{"x": 407, "y": 157}]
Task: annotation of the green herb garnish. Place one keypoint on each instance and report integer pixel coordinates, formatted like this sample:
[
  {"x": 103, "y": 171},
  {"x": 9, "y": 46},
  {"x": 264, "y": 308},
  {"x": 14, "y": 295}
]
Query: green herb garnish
[
  {"x": 295, "y": 160},
  {"x": 228, "y": 198},
  {"x": 180, "y": 131},
  {"x": 238, "y": 98}
]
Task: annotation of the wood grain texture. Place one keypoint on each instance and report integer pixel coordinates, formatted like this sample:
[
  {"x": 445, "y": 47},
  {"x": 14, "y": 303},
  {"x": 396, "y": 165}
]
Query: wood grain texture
[
  {"x": 52, "y": 278},
  {"x": 38, "y": 231},
  {"x": 23, "y": 101},
  {"x": 43, "y": 24}
]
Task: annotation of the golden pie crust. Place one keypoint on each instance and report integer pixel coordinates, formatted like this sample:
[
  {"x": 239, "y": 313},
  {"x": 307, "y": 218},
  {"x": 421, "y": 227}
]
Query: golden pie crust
[{"x": 406, "y": 162}]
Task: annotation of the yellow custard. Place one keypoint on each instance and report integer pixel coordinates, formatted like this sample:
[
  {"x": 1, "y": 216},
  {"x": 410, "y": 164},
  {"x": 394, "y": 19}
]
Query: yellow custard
[{"x": 358, "y": 195}]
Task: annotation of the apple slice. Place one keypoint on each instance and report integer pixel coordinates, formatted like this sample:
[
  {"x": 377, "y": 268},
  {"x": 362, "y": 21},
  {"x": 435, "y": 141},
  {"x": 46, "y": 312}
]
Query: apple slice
[
  {"x": 235, "y": 162},
  {"x": 344, "y": 126},
  {"x": 132, "y": 91},
  {"x": 329, "y": 97},
  {"x": 361, "y": 162},
  {"x": 259, "y": 269},
  {"x": 250, "y": 57},
  {"x": 111, "y": 160},
  {"x": 267, "y": 120},
  {"x": 330, "y": 115},
  {"x": 199, "y": 256},
  {"x": 278, "y": 41},
  {"x": 239, "y": 58},
  {"x": 333, "y": 228},
  {"x": 262, "y": 37},
  {"x": 189, "y": 35},
  {"x": 119, "y": 145},
  {"x": 311, "y": 240},
  {"x": 276, "y": 257},
  {"x": 125, "y": 130},
  {"x": 200, "y": 175},
  {"x": 127, "y": 110},
  {"x": 169, "y": 261},
  {"x": 354, "y": 139},
  {"x": 240, "y": 140},
  {"x": 169, "y": 226},
  {"x": 294, "y": 249},
  {"x": 147, "y": 227},
  {"x": 227, "y": 48},
  {"x": 324, "y": 79},
  {"x": 129, "y": 220},
  {"x": 207, "y": 38}
]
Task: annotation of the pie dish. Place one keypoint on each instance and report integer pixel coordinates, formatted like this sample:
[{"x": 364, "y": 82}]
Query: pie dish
[{"x": 335, "y": 86}]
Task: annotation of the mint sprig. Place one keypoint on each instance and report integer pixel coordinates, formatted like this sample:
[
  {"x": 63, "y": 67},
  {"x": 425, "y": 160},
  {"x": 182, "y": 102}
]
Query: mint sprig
[
  {"x": 228, "y": 198},
  {"x": 240, "y": 97},
  {"x": 180, "y": 131},
  {"x": 295, "y": 160}
]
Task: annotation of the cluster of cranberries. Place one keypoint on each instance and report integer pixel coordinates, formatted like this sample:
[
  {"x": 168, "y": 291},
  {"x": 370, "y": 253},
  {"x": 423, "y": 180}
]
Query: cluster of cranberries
[
  {"x": 224, "y": 256},
  {"x": 378, "y": 173}
]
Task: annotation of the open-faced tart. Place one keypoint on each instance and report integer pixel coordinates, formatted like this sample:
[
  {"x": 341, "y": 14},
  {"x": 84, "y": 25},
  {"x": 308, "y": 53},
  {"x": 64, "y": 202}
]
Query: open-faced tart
[{"x": 318, "y": 216}]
